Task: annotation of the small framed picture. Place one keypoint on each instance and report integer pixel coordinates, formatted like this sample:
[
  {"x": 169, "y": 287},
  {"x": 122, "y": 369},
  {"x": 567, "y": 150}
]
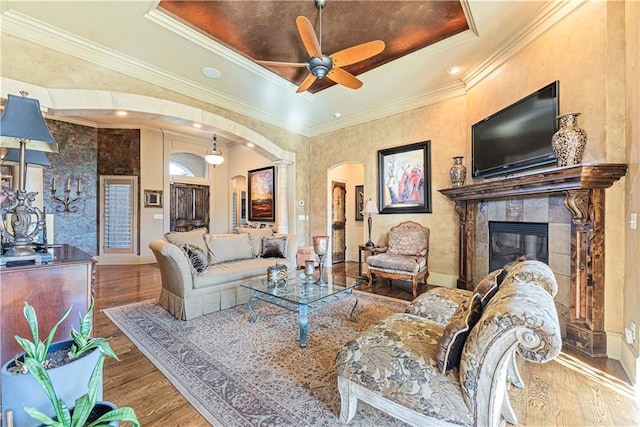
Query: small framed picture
[
  {"x": 152, "y": 198},
  {"x": 359, "y": 202}
]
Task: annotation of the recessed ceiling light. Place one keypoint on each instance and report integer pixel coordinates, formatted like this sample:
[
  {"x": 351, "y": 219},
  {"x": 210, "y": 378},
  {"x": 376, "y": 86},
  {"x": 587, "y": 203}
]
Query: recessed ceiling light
[
  {"x": 121, "y": 113},
  {"x": 337, "y": 115},
  {"x": 454, "y": 70},
  {"x": 250, "y": 144},
  {"x": 212, "y": 73},
  {"x": 197, "y": 125}
]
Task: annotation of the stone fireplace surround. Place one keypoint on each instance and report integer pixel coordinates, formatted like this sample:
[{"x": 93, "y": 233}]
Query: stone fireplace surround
[{"x": 535, "y": 196}]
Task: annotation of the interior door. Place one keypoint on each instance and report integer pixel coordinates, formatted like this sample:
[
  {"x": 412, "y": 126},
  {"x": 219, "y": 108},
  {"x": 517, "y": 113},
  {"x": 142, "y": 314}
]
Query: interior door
[
  {"x": 189, "y": 206},
  {"x": 338, "y": 222}
]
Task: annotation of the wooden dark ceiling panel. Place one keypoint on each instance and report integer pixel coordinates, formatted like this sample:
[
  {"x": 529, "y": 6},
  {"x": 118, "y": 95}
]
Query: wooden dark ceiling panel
[{"x": 266, "y": 30}]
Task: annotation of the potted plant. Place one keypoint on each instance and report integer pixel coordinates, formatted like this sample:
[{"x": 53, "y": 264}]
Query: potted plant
[
  {"x": 69, "y": 364},
  {"x": 87, "y": 411}
]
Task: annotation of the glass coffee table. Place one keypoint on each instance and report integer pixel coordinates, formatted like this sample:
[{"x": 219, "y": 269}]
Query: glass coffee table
[{"x": 302, "y": 297}]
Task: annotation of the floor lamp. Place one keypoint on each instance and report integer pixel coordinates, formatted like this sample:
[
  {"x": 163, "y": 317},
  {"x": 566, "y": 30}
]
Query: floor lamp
[
  {"x": 370, "y": 208},
  {"x": 22, "y": 124}
]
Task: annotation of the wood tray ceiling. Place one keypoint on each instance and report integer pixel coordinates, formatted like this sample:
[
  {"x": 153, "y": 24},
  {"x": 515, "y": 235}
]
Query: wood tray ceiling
[{"x": 267, "y": 30}]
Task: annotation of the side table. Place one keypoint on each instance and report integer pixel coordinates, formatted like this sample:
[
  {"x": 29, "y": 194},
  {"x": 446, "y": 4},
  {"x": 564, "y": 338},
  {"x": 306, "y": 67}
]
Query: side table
[{"x": 363, "y": 248}]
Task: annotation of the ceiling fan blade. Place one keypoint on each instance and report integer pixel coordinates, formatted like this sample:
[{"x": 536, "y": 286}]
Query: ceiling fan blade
[
  {"x": 345, "y": 78},
  {"x": 357, "y": 53},
  {"x": 282, "y": 64},
  {"x": 308, "y": 36},
  {"x": 306, "y": 83}
]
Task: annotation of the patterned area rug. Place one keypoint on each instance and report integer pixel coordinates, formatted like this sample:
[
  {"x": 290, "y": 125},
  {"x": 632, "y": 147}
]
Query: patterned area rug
[{"x": 236, "y": 373}]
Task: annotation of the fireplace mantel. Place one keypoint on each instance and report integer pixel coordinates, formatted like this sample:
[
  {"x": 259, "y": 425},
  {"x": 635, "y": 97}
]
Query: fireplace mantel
[
  {"x": 541, "y": 181},
  {"x": 583, "y": 188}
]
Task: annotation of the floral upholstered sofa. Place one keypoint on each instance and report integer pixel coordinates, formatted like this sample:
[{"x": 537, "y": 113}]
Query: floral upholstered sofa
[
  {"x": 400, "y": 366},
  {"x": 202, "y": 273}
]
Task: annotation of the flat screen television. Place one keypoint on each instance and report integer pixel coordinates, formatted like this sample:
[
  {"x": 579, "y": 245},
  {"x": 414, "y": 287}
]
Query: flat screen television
[{"x": 518, "y": 136}]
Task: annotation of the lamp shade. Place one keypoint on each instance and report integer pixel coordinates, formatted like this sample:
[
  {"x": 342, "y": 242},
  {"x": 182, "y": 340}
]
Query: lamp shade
[
  {"x": 22, "y": 119},
  {"x": 31, "y": 157},
  {"x": 370, "y": 207}
]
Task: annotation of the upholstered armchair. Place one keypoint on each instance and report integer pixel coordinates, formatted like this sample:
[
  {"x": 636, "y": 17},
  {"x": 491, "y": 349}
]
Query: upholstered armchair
[{"x": 405, "y": 256}]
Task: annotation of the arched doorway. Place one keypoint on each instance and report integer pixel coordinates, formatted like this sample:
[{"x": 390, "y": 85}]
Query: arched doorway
[{"x": 344, "y": 226}]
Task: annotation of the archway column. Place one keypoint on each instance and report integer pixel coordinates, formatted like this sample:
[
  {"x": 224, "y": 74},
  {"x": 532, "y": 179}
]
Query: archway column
[{"x": 282, "y": 195}]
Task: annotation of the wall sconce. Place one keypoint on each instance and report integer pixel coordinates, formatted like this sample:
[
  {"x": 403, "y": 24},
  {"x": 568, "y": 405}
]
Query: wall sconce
[{"x": 67, "y": 204}]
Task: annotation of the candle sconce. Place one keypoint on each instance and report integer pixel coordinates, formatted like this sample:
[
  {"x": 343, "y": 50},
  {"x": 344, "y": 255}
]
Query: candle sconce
[{"x": 67, "y": 204}]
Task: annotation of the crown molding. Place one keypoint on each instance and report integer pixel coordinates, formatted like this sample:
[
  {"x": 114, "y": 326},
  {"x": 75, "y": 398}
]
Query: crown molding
[
  {"x": 440, "y": 93},
  {"x": 552, "y": 13},
  {"x": 25, "y": 27}
]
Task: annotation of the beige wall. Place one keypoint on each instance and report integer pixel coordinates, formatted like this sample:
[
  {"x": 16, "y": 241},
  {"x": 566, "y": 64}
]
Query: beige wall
[
  {"x": 444, "y": 125},
  {"x": 631, "y": 292}
]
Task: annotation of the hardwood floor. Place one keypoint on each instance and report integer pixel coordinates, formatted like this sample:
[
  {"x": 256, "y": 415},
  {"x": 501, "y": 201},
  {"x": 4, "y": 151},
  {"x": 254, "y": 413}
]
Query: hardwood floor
[{"x": 564, "y": 392}]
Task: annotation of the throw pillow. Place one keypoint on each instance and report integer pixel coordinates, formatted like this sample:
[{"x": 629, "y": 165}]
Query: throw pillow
[
  {"x": 224, "y": 248},
  {"x": 451, "y": 343},
  {"x": 255, "y": 236},
  {"x": 488, "y": 286},
  {"x": 193, "y": 237},
  {"x": 197, "y": 257},
  {"x": 274, "y": 247}
]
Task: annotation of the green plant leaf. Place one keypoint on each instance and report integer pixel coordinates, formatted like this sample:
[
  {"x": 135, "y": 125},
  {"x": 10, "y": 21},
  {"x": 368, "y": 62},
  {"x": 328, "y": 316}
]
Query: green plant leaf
[
  {"x": 87, "y": 321},
  {"x": 42, "y": 376},
  {"x": 55, "y": 328},
  {"x": 32, "y": 320},
  {"x": 118, "y": 414},
  {"x": 39, "y": 416}
]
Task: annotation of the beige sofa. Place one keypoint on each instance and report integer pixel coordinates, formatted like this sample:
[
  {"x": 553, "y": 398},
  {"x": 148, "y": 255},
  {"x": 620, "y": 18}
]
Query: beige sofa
[
  {"x": 187, "y": 293},
  {"x": 396, "y": 366}
]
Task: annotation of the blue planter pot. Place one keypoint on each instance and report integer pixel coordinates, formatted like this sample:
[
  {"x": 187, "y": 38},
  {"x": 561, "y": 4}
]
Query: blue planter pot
[{"x": 69, "y": 381}]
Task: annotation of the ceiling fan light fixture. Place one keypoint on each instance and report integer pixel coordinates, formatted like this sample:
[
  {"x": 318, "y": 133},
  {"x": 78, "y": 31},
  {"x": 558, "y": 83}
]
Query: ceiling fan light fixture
[{"x": 214, "y": 155}]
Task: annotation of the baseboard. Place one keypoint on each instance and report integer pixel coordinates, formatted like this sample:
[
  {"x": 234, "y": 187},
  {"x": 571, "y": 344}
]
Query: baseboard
[
  {"x": 442, "y": 279},
  {"x": 614, "y": 345},
  {"x": 115, "y": 259},
  {"x": 630, "y": 361}
]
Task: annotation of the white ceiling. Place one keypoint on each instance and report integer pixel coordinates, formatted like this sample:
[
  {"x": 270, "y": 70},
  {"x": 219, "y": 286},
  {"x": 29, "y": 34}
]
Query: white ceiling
[{"x": 132, "y": 37}]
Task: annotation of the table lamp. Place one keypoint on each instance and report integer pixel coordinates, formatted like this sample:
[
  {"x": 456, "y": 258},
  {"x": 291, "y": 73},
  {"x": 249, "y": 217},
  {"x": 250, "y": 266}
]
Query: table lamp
[
  {"x": 370, "y": 208},
  {"x": 22, "y": 124},
  {"x": 320, "y": 247}
]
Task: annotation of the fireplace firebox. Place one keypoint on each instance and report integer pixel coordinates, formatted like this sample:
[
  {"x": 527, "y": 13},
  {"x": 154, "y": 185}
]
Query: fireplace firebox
[{"x": 509, "y": 241}]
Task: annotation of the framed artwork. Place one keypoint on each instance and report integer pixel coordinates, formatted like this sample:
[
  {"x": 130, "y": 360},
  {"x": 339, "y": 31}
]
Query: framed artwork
[
  {"x": 404, "y": 179},
  {"x": 359, "y": 202},
  {"x": 262, "y": 197},
  {"x": 152, "y": 198}
]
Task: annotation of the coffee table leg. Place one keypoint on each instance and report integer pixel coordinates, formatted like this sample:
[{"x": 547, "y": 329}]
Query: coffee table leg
[
  {"x": 254, "y": 315},
  {"x": 303, "y": 317},
  {"x": 353, "y": 310}
]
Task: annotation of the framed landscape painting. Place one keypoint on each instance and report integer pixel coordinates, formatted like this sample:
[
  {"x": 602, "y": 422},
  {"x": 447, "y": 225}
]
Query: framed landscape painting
[
  {"x": 262, "y": 197},
  {"x": 404, "y": 179}
]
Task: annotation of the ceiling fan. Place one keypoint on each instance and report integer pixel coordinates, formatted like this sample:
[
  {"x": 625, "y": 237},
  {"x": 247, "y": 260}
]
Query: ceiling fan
[{"x": 321, "y": 66}]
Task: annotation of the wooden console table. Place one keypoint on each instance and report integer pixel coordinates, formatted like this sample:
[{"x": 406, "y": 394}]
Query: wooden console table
[
  {"x": 583, "y": 188},
  {"x": 50, "y": 288}
]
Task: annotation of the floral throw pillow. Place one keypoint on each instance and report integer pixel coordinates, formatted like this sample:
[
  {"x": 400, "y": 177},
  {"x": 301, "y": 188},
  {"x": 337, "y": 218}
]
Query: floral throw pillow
[
  {"x": 197, "y": 257},
  {"x": 455, "y": 334}
]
